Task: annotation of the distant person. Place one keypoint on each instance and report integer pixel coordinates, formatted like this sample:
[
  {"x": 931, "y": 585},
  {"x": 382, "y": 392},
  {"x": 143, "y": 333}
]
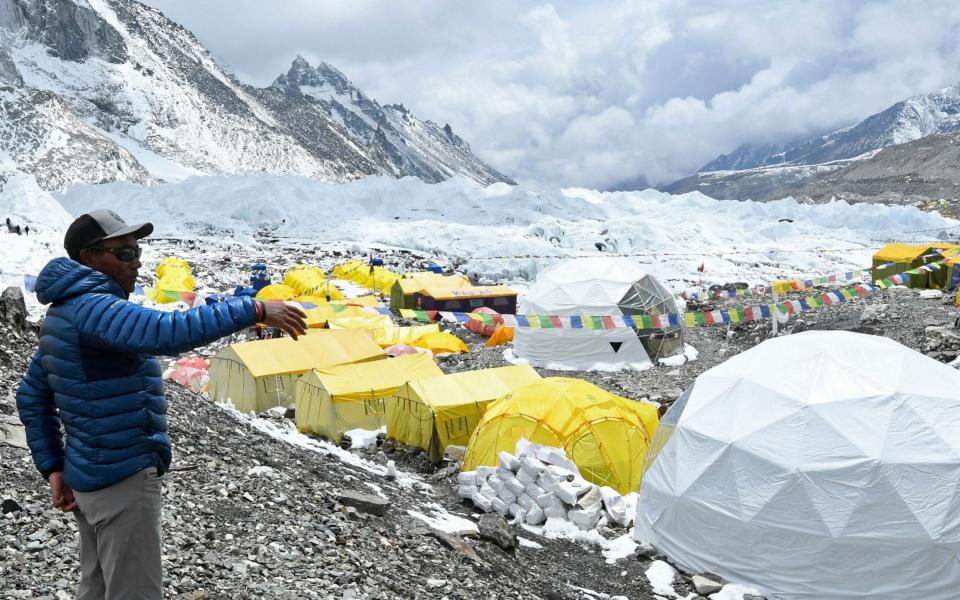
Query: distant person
[
  {"x": 96, "y": 376},
  {"x": 16, "y": 229},
  {"x": 9, "y": 226},
  {"x": 26, "y": 230}
]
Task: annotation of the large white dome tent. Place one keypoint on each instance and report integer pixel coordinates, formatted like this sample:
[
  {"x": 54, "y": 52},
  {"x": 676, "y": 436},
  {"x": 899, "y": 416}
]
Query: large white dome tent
[
  {"x": 596, "y": 286},
  {"x": 817, "y": 465}
]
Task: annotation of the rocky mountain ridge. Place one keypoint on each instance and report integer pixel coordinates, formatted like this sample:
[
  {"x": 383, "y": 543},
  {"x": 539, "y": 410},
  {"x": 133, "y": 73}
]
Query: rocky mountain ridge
[
  {"x": 112, "y": 90},
  {"x": 911, "y": 119},
  {"x": 836, "y": 164}
]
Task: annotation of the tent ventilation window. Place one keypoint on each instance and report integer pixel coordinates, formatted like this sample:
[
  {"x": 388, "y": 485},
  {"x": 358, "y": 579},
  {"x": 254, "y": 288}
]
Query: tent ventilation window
[{"x": 616, "y": 346}]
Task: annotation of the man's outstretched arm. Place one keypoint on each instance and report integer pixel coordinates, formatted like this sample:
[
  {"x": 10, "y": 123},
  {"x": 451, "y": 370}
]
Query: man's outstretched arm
[{"x": 110, "y": 322}]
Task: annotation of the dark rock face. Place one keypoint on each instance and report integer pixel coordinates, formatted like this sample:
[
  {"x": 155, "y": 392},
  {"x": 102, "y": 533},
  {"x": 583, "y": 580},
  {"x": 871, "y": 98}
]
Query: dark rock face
[
  {"x": 395, "y": 139},
  {"x": 71, "y": 31},
  {"x": 9, "y": 75}
]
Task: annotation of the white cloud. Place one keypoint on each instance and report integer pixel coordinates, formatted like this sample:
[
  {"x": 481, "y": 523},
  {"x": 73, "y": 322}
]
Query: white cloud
[{"x": 592, "y": 94}]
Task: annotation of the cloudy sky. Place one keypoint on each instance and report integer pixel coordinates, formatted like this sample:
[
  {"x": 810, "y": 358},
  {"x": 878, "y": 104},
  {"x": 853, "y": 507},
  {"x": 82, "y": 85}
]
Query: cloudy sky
[{"x": 600, "y": 93}]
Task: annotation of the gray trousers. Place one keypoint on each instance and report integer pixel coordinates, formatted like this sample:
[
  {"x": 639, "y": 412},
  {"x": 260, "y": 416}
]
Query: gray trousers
[{"x": 120, "y": 540}]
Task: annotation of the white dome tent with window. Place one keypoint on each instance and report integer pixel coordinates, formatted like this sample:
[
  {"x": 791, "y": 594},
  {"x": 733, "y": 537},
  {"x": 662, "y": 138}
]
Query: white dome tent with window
[
  {"x": 819, "y": 465},
  {"x": 597, "y": 286}
]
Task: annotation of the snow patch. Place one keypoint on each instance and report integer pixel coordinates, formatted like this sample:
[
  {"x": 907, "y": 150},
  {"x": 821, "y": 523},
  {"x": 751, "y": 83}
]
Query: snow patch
[
  {"x": 735, "y": 591},
  {"x": 442, "y": 520},
  {"x": 364, "y": 438}
]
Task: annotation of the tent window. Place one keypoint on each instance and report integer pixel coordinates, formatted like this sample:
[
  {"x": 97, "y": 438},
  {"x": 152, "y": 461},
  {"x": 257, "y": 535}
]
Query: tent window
[
  {"x": 616, "y": 346},
  {"x": 277, "y": 384}
]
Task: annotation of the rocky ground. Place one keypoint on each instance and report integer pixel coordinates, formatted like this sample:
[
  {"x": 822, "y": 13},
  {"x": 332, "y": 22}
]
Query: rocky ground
[{"x": 251, "y": 515}]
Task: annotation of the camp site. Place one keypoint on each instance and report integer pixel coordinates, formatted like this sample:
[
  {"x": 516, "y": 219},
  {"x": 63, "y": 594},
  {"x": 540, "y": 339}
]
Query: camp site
[{"x": 474, "y": 301}]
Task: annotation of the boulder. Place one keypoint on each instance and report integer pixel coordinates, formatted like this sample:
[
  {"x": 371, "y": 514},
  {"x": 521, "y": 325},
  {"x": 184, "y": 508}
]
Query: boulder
[
  {"x": 494, "y": 528},
  {"x": 706, "y": 583},
  {"x": 13, "y": 310},
  {"x": 10, "y": 505},
  {"x": 366, "y": 503}
]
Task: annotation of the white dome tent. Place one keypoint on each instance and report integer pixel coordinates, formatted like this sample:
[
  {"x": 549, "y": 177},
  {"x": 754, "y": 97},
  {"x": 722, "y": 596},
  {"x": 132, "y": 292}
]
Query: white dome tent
[
  {"x": 595, "y": 286},
  {"x": 817, "y": 465}
]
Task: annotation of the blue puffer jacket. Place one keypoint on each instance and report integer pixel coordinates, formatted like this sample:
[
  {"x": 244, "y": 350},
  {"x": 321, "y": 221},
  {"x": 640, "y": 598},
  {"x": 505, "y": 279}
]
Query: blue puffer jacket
[{"x": 95, "y": 373}]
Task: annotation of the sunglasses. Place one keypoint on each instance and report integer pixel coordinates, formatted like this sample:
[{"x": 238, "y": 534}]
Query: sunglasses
[{"x": 124, "y": 254}]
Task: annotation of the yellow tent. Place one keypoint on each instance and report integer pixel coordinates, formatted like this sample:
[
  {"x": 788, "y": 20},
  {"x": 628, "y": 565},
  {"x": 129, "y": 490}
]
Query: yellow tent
[
  {"x": 173, "y": 275},
  {"x": 172, "y": 265},
  {"x": 785, "y": 286},
  {"x": 305, "y": 279},
  {"x": 904, "y": 257},
  {"x": 441, "y": 411},
  {"x": 605, "y": 435},
  {"x": 441, "y": 342},
  {"x": 346, "y": 269},
  {"x": 337, "y": 399},
  {"x": 374, "y": 278},
  {"x": 259, "y": 375},
  {"x": 388, "y": 336},
  {"x": 276, "y": 291},
  {"x": 403, "y": 290},
  {"x": 365, "y": 320}
]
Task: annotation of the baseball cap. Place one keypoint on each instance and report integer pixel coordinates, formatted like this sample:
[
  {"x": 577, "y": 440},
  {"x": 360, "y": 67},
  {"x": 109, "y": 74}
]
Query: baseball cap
[{"x": 99, "y": 225}]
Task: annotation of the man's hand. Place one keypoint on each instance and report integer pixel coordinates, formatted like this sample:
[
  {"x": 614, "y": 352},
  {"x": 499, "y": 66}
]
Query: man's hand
[
  {"x": 289, "y": 319},
  {"x": 61, "y": 493}
]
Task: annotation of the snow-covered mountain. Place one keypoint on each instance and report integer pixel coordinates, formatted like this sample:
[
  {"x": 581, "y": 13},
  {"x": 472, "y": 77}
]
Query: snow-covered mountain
[
  {"x": 768, "y": 172},
  {"x": 111, "y": 90},
  {"x": 404, "y": 144},
  {"x": 912, "y": 119}
]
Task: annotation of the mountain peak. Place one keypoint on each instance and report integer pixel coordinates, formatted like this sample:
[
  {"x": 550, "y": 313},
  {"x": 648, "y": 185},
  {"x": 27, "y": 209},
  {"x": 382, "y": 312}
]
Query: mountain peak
[
  {"x": 300, "y": 64},
  {"x": 324, "y": 75}
]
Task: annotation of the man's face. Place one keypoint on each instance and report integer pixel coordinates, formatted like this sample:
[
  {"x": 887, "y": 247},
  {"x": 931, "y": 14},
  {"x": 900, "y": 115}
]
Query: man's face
[{"x": 105, "y": 261}]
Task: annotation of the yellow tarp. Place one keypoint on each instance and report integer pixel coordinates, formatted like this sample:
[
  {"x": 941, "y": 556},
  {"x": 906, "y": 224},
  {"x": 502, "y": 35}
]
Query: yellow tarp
[
  {"x": 337, "y": 399},
  {"x": 441, "y": 343},
  {"x": 501, "y": 335},
  {"x": 319, "y": 316},
  {"x": 366, "y": 320},
  {"x": 414, "y": 282},
  {"x": 441, "y": 411},
  {"x": 898, "y": 253},
  {"x": 476, "y": 291},
  {"x": 388, "y": 336},
  {"x": 371, "y": 301},
  {"x": 605, "y": 435},
  {"x": 173, "y": 275},
  {"x": 276, "y": 291},
  {"x": 259, "y": 375},
  {"x": 321, "y": 295}
]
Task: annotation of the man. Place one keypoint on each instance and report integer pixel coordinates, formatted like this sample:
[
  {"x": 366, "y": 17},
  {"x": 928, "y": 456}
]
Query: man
[{"x": 95, "y": 373}]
